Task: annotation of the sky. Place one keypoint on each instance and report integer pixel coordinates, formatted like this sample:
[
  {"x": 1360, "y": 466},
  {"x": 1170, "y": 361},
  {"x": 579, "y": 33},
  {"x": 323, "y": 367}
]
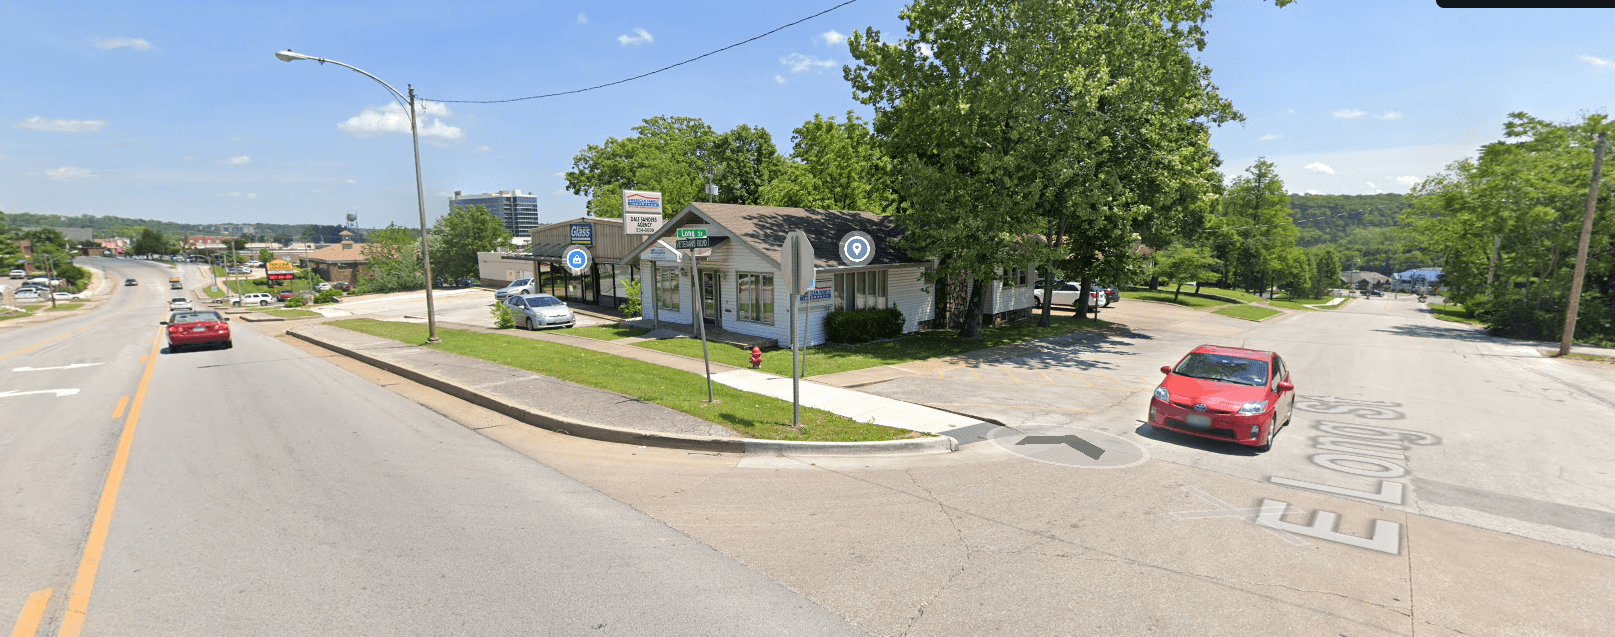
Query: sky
[{"x": 180, "y": 111}]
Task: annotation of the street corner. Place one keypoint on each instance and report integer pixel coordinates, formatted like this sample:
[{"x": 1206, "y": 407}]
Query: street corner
[{"x": 1070, "y": 446}]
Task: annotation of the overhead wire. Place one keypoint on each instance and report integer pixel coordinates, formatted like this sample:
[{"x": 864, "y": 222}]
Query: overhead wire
[{"x": 644, "y": 75}]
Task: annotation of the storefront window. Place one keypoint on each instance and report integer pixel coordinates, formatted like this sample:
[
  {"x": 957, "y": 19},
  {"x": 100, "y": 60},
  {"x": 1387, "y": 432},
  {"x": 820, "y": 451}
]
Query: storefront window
[
  {"x": 667, "y": 288},
  {"x": 756, "y": 302}
]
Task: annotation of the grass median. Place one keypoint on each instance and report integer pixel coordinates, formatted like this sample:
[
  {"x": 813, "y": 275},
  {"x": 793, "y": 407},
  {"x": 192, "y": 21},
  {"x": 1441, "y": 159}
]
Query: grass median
[
  {"x": 1455, "y": 313},
  {"x": 750, "y": 415},
  {"x": 1165, "y": 296},
  {"x": 1248, "y": 312},
  {"x": 829, "y": 359},
  {"x": 604, "y": 332}
]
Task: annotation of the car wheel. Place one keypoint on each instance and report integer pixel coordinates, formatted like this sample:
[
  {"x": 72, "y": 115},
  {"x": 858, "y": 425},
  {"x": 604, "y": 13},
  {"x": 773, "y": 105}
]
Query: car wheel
[
  {"x": 173, "y": 349},
  {"x": 263, "y": 303},
  {"x": 528, "y": 324},
  {"x": 1272, "y": 428},
  {"x": 229, "y": 344}
]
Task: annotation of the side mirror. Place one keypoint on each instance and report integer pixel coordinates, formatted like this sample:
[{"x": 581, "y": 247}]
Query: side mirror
[
  {"x": 1166, "y": 369},
  {"x": 1285, "y": 386}
]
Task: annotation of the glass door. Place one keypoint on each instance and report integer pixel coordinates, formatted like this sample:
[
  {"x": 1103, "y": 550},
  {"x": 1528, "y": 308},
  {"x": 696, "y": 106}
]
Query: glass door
[{"x": 711, "y": 296}]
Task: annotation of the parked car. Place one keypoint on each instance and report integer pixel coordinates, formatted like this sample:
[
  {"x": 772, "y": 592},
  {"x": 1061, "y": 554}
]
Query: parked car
[
  {"x": 1065, "y": 295},
  {"x": 179, "y": 303},
  {"x": 194, "y": 328},
  {"x": 540, "y": 310},
  {"x": 1112, "y": 295},
  {"x": 1225, "y": 393},
  {"x": 256, "y": 298},
  {"x": 64, "y": 296},
  {"x": 519, "y": 286},
  {"x": 342, "y": 285},
  {"x": 19, "y": 274},
  {"x": 130, "y": 282},
  {"x": 322, "y": 287},
  {"x": 255, "y": 264},
  {"x": 39, "y": 280},
  {"x": 240, "y": 270},
  {"x": 465, "y": 283},
  {"x": 284, "y": 294},
  {"x": 26, "y": 294}
]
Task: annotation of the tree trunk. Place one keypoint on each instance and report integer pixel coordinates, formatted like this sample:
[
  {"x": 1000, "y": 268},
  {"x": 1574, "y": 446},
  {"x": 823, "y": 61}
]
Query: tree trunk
[
  {"x": 1155, "y": 283},
  {"x": 1048, "y": 299},
  {"x": 1180, "y": 290},
  {"x": 1196, "y": 289},
  {"x": 1491, "y": 272},
  {"x": 1082, "y": 298},
  {"x": 972, "y": 324}
]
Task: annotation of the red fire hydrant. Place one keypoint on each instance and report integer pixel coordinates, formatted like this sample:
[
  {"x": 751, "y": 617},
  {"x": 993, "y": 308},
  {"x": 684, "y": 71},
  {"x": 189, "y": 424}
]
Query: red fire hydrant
[{"x": 756, "y": 357}]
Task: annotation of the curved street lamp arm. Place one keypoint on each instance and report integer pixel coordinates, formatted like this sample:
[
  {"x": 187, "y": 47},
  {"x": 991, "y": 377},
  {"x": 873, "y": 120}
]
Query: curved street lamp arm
[{"x": 288, "y": 56}]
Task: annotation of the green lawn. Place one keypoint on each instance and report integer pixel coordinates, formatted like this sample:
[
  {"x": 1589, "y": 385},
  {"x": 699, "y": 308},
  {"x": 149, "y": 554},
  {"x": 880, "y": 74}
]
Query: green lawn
[
  {"x": 291, "y": 313},
  {"x": 213, "y": 292},
  {"x": 1247, "y": 312},
  {"x": 750, "y": 415},
  {"x": 63, "y": 307},
  {"x": 829, "y": 359},
  {"x": 8, "y": 314},
  {"x": 604, "y": 332},
  {"x": 1454, "y": 313},
  {"x": 1243, "y": 297},
  {"x": 1165, "y": 296},
  {"x": 1290, "y": 306}
]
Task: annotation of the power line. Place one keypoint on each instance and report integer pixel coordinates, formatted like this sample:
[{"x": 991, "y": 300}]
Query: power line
[{"x": 644, "y": 75}]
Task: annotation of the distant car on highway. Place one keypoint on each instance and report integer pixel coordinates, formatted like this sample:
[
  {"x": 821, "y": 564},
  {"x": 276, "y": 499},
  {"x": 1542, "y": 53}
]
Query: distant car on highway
[
  {"x": 519, "y": 286},
  {"x": 195, "y": 328},
  {"x": 130, "y": 282},
  {"x": 1225, "y": 393},
  {"x": 540, "y": 310},
  {"x": 179, "y": 303}
]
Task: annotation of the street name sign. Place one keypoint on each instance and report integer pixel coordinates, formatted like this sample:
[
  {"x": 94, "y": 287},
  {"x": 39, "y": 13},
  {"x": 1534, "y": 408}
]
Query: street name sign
[
  {"x": 692, "y": 233},
  {"x": 691, "y": 244}
]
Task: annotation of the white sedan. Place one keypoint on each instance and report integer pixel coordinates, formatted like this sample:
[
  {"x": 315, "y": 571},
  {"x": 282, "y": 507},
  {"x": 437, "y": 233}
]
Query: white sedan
[
  {"x": 1065, "y": 295},
  {"x": 533, "y": 311},
  {"x": 179, "y": 303},
  {"x": 64, "y": 296}
]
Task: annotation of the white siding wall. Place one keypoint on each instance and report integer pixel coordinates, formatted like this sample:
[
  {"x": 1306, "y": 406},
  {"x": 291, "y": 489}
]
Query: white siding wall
[
  {"x": 739, "y": 259},
  {"x": 1009, "y": 299},
  {"x": 647, "y": 293}
]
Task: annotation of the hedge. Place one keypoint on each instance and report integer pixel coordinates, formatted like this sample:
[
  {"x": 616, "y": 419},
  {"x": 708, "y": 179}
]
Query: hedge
[{"x": 862, "y": 326}]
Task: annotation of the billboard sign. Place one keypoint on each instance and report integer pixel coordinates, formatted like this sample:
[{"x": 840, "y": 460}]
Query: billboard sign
[
  {"x": 583, "y": 234},
  {"x": 641, "y": 202},
  {"x": 280, "y": 270}
]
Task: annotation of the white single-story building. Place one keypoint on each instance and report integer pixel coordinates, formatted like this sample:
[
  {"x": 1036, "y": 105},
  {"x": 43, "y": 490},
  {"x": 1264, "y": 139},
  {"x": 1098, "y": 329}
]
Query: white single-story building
[{"x": 743, "y": 288}]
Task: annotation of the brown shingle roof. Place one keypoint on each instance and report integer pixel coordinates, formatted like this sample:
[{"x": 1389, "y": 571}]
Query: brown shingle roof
[
  {"x": 342, "y": 252},
  {"x": 764, "y": 227}
]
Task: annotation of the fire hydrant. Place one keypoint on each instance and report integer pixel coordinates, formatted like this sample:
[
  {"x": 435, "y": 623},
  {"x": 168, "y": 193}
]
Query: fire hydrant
[{"x": 756, "y": 357}]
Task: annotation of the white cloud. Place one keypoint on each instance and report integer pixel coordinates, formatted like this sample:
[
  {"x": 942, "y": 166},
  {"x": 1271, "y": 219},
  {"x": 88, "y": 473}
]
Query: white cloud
[
  {"x": 1371, "y": 184},
  {"x": 640, "y": 36},
  {"x": 800, "y": 63},
  {"x": 62, "y": 125},
  {"x": 230, "y": 194},
  {"x": 137, "y": 44},
  {"x": 561, "y": 174},
  {"x": 483, "y": 149},
  {"x": 779, "y": 78},
  {"x": 392, "y": 119},
  {"x": 68, "y": 172},
  {"x": 925, "y": 49},
  {"x": 1594, "y": 61},
  {"x": 1391, "y": 115},
  {"x": 559, "y": 192},
  {"x": 238, "y": 161},
  {"x": 1347, "y": 113},
  {"x": 1268, "y": 137},
  {"x": 1408, "y": 180},
  {"x": 1291, "y": 110},
  {"x": 583, "y": 19},
  {"x": 1319, "y": 167},
  {"x": 1313, "y": 192},
  {"x": 352, "y": 181},
  {"x": 831, "y": 37}
]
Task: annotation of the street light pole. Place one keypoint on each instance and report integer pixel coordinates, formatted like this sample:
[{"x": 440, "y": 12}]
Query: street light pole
[{"x": 420, "y": 193}]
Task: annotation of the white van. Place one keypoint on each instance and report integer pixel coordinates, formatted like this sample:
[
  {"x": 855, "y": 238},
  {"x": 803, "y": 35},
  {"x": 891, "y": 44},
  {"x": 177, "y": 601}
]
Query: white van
[{"x": 19, "y": 274}]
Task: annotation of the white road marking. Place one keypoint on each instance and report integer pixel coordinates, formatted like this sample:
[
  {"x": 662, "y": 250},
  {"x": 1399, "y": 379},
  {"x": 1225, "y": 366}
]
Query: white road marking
[
  {"x": 1254, "y": 516},
  {"x": 59, "y": 392},
  {"x": 42, "y": 369}
]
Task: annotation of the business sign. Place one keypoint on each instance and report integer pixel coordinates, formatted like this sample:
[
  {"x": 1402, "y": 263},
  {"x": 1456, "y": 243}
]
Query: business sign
[
  {"x": 660, "y": 252},
  {"x": 280, "y": 270},
  {"x": 633, "y": 223},
  {"x": 641, "y": 202},
  {"x": 857, "y": 248},
  {"x": 577, "y": 259},
  {"x": 583, "y": 234},
  {"x": 818, "y": 294},
  {"x": 692, "y": 233}
]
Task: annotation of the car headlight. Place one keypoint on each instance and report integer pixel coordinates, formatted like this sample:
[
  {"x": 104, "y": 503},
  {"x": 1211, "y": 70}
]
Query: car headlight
[
  {"x": 1251, "y": 409},
  {"x": 1162, "y": 395}
]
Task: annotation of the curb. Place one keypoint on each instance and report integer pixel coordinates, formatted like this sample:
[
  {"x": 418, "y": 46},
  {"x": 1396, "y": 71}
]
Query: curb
[{"x": 607, "y": 433}]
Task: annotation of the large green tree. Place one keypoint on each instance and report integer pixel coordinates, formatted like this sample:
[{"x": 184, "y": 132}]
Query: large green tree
[
  {"x": 392, "y": 261},
  {"x": 1182, "y": 264},
  {"x": 457, "y": 237},
  {"x": 1253, "y": 232},
  {"x": 673, "y": 156},
  {"x": 149, "y": 241},
  {"x": 835, "y": 166}
]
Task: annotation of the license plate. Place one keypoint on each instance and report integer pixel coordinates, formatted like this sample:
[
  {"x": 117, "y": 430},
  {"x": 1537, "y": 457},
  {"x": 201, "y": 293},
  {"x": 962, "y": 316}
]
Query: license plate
[
  {"x": 1198, "y": 420},
  {"x": 198, "y": 329}
]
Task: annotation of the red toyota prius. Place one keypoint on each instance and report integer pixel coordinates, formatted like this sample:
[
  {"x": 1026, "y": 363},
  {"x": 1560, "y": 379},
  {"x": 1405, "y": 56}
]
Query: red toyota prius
[
  {"x": 1225, "y": 393},
  {"x": 199, "y": 327}
]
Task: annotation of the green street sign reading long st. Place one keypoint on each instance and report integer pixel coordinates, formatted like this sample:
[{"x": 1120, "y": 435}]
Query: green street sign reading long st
[{"x": 692, "y": 233}]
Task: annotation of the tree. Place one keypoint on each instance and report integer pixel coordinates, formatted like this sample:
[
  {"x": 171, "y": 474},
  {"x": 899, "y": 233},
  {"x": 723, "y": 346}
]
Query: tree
[
  {"x": 748, "y": 160},
  {"x": 1325, "y": 271},
  {"x": 266, "y": 255},
  {"x": 457, "y": 237},
  {"x": 1182, "y": 264},
  {"x": 149, "y": 241},
  {"x": 391, "y": 262},
  {"x": 1254, "y": 230},
  {"x": 671, "y": 155},
  {"x": 1084, "y": 122},
  {"x": 837, "y": 166}
]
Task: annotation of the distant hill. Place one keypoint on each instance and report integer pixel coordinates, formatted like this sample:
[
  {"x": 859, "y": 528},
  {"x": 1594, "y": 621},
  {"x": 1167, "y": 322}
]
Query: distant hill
[
  {"x": 1363, "y": 228},
  {"x": 106, "y": 226}
]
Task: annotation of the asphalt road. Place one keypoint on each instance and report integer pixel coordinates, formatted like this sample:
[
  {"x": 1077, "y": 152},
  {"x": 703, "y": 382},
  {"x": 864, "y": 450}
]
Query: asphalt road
[{"x": 261, "y": 490}]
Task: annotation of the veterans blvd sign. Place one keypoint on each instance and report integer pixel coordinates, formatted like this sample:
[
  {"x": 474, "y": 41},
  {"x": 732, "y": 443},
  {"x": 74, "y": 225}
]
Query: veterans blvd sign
[
  {"x": 691, "y": 244},
  {"x": 280, "y": 270}
]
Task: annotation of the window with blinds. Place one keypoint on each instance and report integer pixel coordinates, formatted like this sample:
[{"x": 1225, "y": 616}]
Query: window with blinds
[{"x": 861, "y": 290}]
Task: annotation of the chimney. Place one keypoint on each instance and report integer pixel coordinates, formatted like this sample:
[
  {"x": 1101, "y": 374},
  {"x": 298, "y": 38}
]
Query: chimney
[{"x": 347, "y": 240}]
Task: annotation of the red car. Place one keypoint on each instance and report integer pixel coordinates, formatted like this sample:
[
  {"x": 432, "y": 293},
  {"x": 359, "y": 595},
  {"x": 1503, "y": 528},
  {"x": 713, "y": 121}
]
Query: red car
[
  {"x": 200, "y": 327},
  {"x": 1225, "y": 393},
  {"x": 284, "y": 294}
]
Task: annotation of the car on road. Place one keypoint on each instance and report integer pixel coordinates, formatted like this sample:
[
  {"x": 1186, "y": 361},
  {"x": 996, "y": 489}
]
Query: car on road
[
  {"x": 26, "y": 294},
  {"x": 322, "y": 287},
  {"x": 519, "y": 286},
  {"x": 1065, "y": 295},
  {"x": 533, "y": 311},
  {"x": 1225, "y": 393},
  {"x": 19, "y": 274},
  {"x": 179, "y": 303},
  {"x": 194, "y": 328},
  {"x": 64, "y": 296},
  {"x": 257, "y": 298},
  {"x": 130, "y": 282}
]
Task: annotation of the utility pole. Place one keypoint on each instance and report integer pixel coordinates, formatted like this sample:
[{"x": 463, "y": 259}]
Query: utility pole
[{"x": 1581, "y": 250}]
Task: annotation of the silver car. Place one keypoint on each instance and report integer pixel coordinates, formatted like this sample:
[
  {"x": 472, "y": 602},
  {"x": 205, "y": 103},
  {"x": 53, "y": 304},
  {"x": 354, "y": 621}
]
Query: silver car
[
  {"x": 533, "y": 311},
  {"x": 519, "y": 286}
]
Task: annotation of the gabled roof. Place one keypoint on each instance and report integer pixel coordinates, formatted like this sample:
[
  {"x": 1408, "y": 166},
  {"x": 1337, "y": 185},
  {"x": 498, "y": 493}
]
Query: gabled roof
[
  {"x": 763, "y": 229},
  {"x": 337, "y": 253}
]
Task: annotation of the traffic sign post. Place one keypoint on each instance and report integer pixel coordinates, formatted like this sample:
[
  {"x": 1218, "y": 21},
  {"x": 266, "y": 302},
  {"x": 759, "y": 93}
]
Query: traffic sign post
[
  {"x": 700, "y": 303},
  {"x": 796, "y": 255}
]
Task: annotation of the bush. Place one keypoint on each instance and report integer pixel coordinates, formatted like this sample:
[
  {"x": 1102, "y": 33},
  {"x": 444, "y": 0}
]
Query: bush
[
  {"x": 862, "y": 326},
  {"x": 328, "y": 296},
  {"x": 630, "y": 308},
  {"x": 502, "y": 317},
  {"x": 296, "y": 301}
]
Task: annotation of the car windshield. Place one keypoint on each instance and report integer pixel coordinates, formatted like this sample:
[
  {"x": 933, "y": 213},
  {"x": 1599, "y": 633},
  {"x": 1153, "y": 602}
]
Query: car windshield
[
  {"x": 181, "y": 318},
  {"x": 1223, "y": 369},
  {"x": 519, "y": 282},
  {"x": 542, "y": 301}
]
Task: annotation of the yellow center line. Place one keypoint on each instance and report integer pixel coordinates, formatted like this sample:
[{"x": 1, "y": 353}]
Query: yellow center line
[
  {"x": 78, "y": 597},
  {"x": 122, "y": 402},
  {"x": 33, "y": 612}
]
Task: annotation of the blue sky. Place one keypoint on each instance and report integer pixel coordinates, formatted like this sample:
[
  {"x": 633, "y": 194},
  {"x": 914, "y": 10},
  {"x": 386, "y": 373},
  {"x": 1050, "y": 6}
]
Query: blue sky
[{"x": 179, "y": 110}]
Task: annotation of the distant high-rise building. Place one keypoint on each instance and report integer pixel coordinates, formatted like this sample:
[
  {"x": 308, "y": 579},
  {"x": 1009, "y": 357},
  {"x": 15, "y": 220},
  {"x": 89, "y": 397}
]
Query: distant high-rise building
[{"x": 517, "y": 211}]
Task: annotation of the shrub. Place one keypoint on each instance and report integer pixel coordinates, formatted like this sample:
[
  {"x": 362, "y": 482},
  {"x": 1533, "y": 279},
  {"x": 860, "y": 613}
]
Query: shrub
[
  {"x": 328, "y": 296},
  {"x": 296, "y": 301},
  {"x": 862, "y": 326},
  {"x": 502, "y": 316},
  {"x": 630, "y": 308}
]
